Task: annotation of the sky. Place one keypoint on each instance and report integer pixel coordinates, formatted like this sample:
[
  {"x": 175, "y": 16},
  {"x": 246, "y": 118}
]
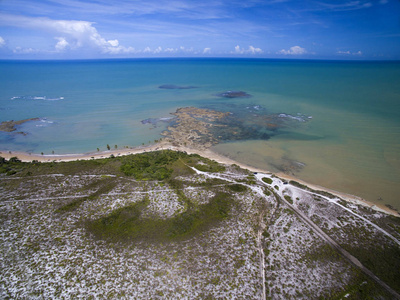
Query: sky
[{"x": 84, "y": 29}]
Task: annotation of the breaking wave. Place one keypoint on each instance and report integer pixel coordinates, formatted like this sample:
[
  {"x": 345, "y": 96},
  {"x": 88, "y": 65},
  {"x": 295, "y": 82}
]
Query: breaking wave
[
  {"x": 44, "y": 122},
  {"x": 299, "y": 117},
  {"x": 37, "y": 98}
]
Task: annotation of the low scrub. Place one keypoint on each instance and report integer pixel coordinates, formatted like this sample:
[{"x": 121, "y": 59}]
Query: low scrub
[
  {"x": 267, "y": 180},
  {"x": 128, "y": 224}
]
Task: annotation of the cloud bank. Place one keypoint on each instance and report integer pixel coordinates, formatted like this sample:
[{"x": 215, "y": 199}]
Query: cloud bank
[
  {"x": 295, "y": 50},
  {"x": 70, "y": 34},
  {"x": 250, "y": 50},
  {"x": 359, "y": 53}
]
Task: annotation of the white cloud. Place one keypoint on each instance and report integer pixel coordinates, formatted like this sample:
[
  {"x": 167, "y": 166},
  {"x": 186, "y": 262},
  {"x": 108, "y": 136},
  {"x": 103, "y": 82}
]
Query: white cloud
[
  {"x": 62, "y": 44},
  {"x": 170, "y": 50},
  {"x": 254, "y": 50},
  {"x": 2, "y": 42},
  {"x": 147, "y": 50},
  {"x": 359, "y": 53},
  {"x": 20, "y": 50},
  {"x": 186, "y": 50},
  {"x": 250, "y": 50},
  {"x": 75, "y": 34},
  {"x": 207, "y": 51},
  {"x": 158, "y": 50},
  {"x": 295, "y": 50},
  {"x": 113, "y": 43},
  {"x": 345, "y": 5}
]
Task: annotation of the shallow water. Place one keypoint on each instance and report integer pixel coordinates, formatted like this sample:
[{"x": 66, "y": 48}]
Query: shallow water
[{"x": 351, "y": 144}]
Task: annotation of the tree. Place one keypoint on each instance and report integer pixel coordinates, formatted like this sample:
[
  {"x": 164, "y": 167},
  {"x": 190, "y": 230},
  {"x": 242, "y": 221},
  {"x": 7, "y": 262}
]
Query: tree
[{"x": 14, "y": 159}]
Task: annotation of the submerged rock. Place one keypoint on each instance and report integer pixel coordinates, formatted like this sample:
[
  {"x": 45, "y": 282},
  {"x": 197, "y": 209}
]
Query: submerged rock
[
  {"x": 202, "y": 128},
  {"x": 10, "y": 126},
  {"x": 234, "y": 94},
  {"x": 154, "y": 121}
]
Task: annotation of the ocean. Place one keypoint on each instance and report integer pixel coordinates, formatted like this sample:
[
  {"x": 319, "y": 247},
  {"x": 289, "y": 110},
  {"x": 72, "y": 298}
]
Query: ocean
[{"x": 347, "y": 137}]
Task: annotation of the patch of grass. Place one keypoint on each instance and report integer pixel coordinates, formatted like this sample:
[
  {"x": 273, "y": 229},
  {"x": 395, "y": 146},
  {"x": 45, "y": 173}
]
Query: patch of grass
[
  {"x": 128, "y": 224},
  {"x": 267, "y": 180},
  {"x": 298, "y": 184},
  {"x": 104, "y": 186},
  {"x": 383, "y": 261},
  {"x": 157, "y": 165},
  {"x": 304, "y": 187},
  {"x": 239, "y": 188},
  {"x": 288, "y": 199},
  {"x": 360, "y": 287},
  {"x": 209, "y": 165},
  {"x": 195, "y": 220}
]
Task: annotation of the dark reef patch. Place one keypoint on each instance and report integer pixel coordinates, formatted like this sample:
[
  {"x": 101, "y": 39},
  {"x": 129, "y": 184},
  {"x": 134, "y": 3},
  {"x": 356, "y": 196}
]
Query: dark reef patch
[
  {"x": 234, "y": 94},
  {"x": 202, "y": 128},
  {"x": 11, "y": 126}
]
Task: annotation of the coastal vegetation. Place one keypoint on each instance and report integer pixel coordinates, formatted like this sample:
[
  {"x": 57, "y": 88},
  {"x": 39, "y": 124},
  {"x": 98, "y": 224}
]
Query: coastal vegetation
[
  {"x": 267, "y": 180},
  {"x": 138, "y": 226},
  {"x": 127, "y": 223}
]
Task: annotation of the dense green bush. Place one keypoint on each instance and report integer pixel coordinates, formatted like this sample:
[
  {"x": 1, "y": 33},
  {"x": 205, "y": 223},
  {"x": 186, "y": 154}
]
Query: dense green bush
[
  {"x": 237, "y": 187},
  {"x": 267, "y": 180},
  {"x": 289, "y": 199},
  {"x": 209, "y": 165},
  {"x": 150, "y": 166}
]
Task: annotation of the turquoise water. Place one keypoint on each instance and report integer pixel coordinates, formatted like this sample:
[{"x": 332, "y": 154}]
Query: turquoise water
[{"x": 351, "y": 144}]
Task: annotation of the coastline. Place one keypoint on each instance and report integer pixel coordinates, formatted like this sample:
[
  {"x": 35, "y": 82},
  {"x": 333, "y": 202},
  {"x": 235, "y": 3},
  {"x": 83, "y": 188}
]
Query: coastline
[{"x": 163, "y": 145}]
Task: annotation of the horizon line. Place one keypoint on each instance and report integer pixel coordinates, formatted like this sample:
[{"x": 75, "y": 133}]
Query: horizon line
[{"x": 194, "y": 58}]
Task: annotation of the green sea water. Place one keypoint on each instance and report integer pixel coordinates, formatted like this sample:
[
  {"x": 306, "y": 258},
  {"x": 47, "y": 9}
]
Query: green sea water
[{"x": 351, "y": 143}]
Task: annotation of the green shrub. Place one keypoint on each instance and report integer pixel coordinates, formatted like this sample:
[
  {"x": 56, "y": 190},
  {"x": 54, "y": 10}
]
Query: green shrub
[
  {"x": 267, "y": 192},
  {"x": 267, "y": 180},
  {"x": 128, "y": 224},
  {"x": 237, "y": 187},
  {"x": 289, "y": 199},
  {"x": 150, "y": 166}
]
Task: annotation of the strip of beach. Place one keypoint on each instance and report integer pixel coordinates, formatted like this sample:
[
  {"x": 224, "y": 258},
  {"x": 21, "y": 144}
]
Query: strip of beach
[{"x": 165, "y": 145}]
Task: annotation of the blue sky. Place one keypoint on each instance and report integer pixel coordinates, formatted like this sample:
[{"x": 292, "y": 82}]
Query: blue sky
[{"x": 320, "y": 29}]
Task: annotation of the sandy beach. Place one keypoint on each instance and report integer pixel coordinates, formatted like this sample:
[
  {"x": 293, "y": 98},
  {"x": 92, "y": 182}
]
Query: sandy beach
[{"x": 164, "y": 145}]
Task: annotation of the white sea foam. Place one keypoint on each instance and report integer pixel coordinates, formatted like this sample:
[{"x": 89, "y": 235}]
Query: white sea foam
[
  {"x": 44, "y": 122},
  {"x": 36, "y": 98},
  {"x": 299, "y": 117}
]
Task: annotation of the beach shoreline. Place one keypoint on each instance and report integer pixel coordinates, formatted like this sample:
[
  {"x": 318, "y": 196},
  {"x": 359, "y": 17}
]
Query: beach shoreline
[{"x": 164, "y": 145}]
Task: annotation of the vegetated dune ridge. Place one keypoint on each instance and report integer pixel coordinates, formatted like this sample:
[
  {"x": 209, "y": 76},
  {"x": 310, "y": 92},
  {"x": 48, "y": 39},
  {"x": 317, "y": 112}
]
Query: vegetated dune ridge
[{"x": 165, "y": 144}]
